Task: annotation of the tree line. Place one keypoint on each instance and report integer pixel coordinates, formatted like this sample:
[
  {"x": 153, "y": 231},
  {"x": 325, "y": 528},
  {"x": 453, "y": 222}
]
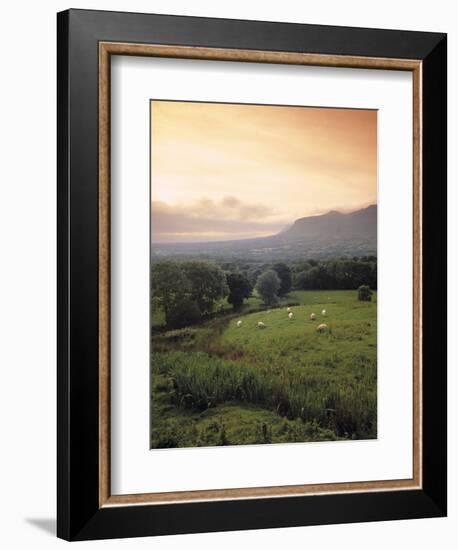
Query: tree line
[
  {"x": 341, "y": 274},
  {"x": 189, "y": 290}
]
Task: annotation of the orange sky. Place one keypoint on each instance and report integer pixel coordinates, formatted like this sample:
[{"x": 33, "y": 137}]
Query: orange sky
[{"x": 226, "y": 171}]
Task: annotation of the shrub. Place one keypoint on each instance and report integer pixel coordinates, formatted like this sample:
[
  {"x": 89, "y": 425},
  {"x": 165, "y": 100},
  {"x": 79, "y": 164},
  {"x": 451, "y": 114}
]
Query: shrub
[
  {"x": 222, "y": 439},
  {"x": 364, "y": 293},
  {"x": 183, "y": 313}
]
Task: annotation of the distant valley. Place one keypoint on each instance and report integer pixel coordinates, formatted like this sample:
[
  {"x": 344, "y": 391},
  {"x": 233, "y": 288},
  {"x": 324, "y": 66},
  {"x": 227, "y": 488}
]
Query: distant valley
[{"x": 330, "y": 235}]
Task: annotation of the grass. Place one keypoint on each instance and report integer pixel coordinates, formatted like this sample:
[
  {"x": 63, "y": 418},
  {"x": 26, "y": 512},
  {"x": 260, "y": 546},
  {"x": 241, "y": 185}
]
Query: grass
[
  {"x": 230, "y": 424},
  {"x": 219, "y": 384},
  {"x": 222, "y": 309}
]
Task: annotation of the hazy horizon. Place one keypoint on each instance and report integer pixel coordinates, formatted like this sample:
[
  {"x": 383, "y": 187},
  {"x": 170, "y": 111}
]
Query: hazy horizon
[
  {"x": 222, "y": 172},
  {"x": 203, "y": 240}
]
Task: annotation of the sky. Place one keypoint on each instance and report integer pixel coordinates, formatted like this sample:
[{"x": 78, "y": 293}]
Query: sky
[{"x": 232, "y": 171}]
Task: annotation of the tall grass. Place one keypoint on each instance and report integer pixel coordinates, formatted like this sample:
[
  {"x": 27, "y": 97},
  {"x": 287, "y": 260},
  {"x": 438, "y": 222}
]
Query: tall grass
[{"x": 202, "y": 381}]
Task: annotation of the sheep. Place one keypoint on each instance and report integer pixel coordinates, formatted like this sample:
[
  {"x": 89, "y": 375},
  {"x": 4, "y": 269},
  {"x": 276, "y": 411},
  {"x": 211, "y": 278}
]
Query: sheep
[
  {"x": 322, "y": 328},
  {"x": 239, "y": 324},
  {"x": 312, "y": 317},
  {"x": 288, "y": 309},
  {"x": 323, "y": 313},
  {"x": 261, "y": 324},
  {"x": 290, "y": 315}
]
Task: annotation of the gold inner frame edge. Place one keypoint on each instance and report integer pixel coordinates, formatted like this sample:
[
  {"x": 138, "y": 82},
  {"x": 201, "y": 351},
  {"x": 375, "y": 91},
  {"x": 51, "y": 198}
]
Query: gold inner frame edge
[{"x": 106, "y": 50}]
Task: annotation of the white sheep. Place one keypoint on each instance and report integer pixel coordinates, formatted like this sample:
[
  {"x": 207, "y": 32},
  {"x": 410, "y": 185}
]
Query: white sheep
[
  {"x": 322, "y": 328},
  {"x": 312, "y": 317},
  {"x": 290, "y": 315},
  {"x": 323, "y": 312},
  {"x": 288, "y": 309},
  {"x": 261, "y": 324},
  {"x": 239, "y": 324}
]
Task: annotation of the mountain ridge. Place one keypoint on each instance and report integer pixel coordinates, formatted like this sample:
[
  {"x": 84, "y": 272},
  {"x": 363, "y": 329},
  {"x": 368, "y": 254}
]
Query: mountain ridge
[
  {"x": 321, "y": 235},
  {"x": 359, "y": 221}
]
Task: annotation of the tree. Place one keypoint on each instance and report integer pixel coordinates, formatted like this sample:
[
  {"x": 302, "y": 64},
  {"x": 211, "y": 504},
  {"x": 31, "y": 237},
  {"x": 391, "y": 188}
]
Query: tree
[
  {"x": 284, "y": 274},
  {"x": 239, "y": 289},
  {"x": 364, "y": 293},
  {"x": 341, "y": 274},
  {"x": 300, "y": 281},
  {"x": 186, "y": 290},
  {"x": 315, "y": 278},
  {"x": 268, "y": 285},
  {"x": 207, "y": 283},
  {"x": 170, "y": 286},
  {"x": 253, "y": 274}
]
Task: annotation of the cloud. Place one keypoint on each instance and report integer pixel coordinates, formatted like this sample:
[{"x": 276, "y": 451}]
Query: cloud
[
  {"x": 231, "y": 202},
  {"x": 210, "y": 220},
  {"x": 227, "y": 168}
]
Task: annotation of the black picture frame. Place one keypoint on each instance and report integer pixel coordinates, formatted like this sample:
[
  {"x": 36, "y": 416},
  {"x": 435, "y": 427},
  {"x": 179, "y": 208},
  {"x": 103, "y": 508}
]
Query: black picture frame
[{"x": 79, "y": 515}]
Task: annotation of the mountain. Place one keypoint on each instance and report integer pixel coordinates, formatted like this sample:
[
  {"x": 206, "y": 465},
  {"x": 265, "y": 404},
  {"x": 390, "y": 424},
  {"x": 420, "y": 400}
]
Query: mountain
[
  {"x": 335, "y": 225},
  {"x": 333, "y": 234}
]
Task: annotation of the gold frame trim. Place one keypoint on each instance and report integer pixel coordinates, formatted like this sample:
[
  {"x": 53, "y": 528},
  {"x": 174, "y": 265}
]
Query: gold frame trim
[{"x": 106, "y": 50}]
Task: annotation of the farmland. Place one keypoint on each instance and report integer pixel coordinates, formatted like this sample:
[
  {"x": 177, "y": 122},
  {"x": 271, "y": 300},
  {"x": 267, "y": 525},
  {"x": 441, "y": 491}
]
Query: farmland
[{"x": 217, "y": 383}]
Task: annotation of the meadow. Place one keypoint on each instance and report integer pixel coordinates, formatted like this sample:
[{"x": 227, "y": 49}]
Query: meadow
[{"x": 217, "y": 383}]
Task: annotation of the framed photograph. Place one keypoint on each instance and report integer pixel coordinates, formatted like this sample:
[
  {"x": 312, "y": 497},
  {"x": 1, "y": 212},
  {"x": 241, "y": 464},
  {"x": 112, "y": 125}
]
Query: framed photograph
[{"x": 252, "y": 275}]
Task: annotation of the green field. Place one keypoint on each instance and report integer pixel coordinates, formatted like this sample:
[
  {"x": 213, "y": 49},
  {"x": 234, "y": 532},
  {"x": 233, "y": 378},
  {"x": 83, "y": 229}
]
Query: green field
[{"x": 219, "y": 384}]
